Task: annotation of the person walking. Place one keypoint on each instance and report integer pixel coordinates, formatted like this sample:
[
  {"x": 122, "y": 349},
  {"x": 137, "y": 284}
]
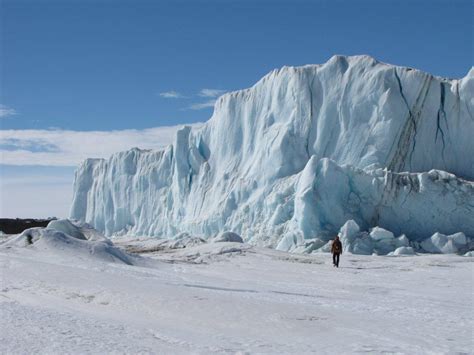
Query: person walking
[{"x": 336, "y": 250}]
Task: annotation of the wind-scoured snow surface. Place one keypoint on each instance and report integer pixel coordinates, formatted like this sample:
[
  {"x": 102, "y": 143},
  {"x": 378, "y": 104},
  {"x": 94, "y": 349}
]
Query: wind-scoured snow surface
[
  {"x": 298, "y": 155},
  {"x": 66, "y": 295}
]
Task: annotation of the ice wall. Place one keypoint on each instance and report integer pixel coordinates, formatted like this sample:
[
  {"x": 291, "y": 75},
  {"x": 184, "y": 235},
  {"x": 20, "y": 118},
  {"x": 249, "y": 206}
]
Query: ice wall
[{"x": 300, "y": 153}]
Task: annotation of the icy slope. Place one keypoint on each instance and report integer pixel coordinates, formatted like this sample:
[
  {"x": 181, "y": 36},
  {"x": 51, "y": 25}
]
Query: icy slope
[{"x": 298, "y": 155}]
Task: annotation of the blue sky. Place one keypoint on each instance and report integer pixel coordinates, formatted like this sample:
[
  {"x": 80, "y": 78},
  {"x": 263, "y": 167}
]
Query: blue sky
[{"x": 115, "y": 67}]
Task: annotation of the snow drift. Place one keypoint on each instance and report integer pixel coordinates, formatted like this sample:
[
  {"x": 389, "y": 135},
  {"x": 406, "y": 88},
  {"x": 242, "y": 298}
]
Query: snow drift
[
  {"x": 60, "y": 244},
  {"x": 297, "y": 155}
]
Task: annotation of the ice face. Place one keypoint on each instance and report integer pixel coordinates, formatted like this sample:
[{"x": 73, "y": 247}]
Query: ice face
[{"x": 298, "y": 155}]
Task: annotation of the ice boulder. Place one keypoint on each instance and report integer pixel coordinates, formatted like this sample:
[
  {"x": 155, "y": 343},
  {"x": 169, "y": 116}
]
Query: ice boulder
[
  {"x": 378, "y": 234},
  {"x": 228, "y": 237},
  {"x": 449, "y": 247},
  {"x": 354, "y": 241},
  {"x": 469, "y": 254},
  {"x": 384, "y": 241},
  {"x": 432, "y": 244},
  {"x": 380, "y": 241},
  {"x": 459, "y": 239},
  {"x": 65, "y": 226},
  {"x": 385, "y": 246},
  {"x": 348, "y": 233},
  {"x": 445, "y": 244},
  {"x": 290, "y": 241},
  {"x": 402, "y": 241},
  {"x": 363, "y": 245}
]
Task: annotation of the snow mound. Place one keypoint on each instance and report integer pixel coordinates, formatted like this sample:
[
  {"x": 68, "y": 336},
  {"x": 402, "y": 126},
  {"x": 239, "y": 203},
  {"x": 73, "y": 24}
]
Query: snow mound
[
  {"x": 77, "y": 229},
  {"x": 311, "y": 245},
  {"x": 228, "y": 237},
  {"x": 202, "y": 253},
  {"x": 65, "y": 226},
  {"x": 184, "y": 240},
  {"x": 89, "y": 232},
  {"x": 57, "y": 243},
  {"x": 402, "y": 251}
]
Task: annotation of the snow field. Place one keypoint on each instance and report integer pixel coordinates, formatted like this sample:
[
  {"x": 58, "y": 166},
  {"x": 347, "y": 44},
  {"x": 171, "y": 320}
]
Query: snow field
[{"x": 230, "y": 298}]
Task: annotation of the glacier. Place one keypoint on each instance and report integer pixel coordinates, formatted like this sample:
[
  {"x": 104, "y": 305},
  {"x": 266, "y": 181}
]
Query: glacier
[{"x": 299, "y": 154}]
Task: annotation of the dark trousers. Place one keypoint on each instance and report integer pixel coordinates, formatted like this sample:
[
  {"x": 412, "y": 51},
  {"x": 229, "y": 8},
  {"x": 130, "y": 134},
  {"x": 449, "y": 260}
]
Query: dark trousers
[{"x": 335, "y": 259}]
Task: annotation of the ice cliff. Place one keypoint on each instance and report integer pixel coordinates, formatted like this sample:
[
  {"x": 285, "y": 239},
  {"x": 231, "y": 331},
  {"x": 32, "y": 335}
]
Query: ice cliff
[{"x": 297, "y": 155}]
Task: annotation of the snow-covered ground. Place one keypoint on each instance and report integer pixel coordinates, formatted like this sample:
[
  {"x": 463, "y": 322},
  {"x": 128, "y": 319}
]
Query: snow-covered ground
[{"x": 229, "y": 298}]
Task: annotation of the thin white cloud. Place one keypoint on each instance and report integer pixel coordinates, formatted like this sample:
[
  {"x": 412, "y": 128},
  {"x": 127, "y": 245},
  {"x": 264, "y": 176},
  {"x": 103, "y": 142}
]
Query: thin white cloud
[
  {"x": 6, "y": 111},
  {"x": 203, "y": 105},
  {"x": 69, "y": 148},
  {"x": 211, "y": 95},
  {"x": 171, "y": 95},
  {"x": 211, "y": 92}
]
